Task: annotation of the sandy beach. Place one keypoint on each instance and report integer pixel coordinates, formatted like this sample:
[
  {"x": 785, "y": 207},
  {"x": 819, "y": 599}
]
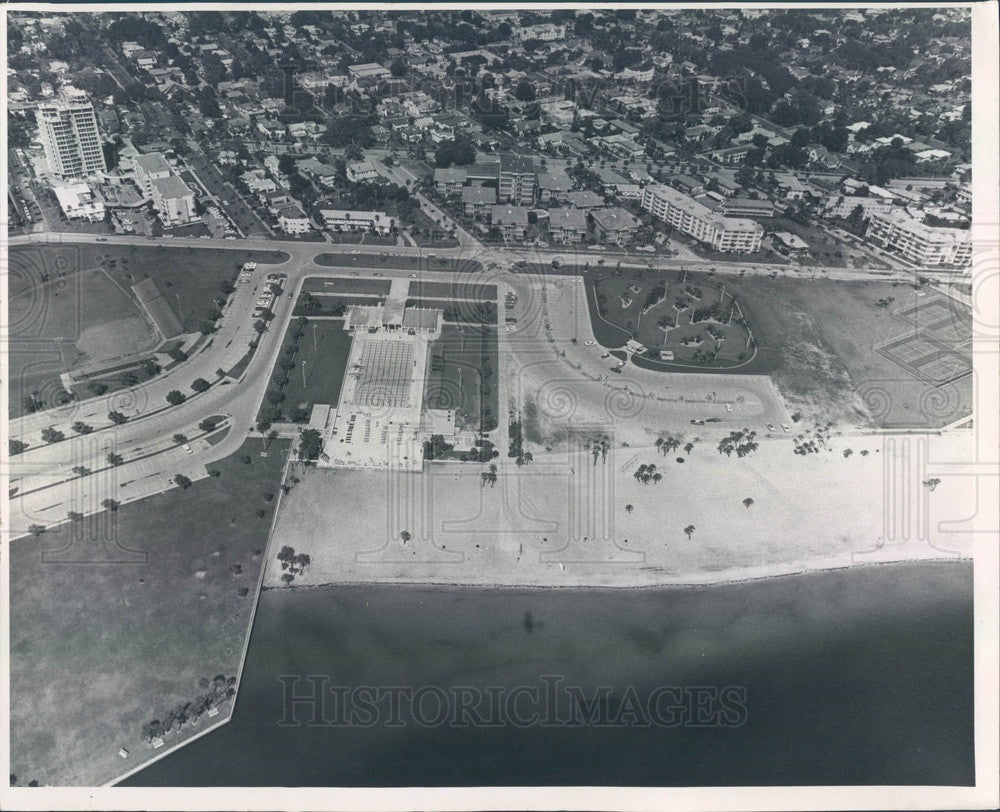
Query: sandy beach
[{"x": 565, "y": 520}]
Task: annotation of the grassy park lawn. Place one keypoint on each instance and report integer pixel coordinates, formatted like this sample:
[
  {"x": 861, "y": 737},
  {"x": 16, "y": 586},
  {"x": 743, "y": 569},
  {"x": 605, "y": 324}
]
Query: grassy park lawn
[
  {"x": 366, "y": 287},
  {"x": 63, "y": 314},
  {"x": 463, "y": 375},
  {"x": 400, "y": 263},
  {"x": 315, "y": 370},
  {"x": 189, "y": 278},
  {"x": 114, "y": 626},
  {"x": 72, "y": 304},
  {"x": 701, "y": 323}
]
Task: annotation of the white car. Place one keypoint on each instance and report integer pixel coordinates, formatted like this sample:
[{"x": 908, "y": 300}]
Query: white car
[
  {"x": 729, "y": 407},
  {"x": 187, "y": 449},
  {"x": 590, "y": 343}
]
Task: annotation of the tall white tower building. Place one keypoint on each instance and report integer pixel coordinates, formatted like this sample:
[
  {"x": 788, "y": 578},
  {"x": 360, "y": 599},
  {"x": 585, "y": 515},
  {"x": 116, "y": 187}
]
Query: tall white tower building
[{"x": 72, "y": 142}]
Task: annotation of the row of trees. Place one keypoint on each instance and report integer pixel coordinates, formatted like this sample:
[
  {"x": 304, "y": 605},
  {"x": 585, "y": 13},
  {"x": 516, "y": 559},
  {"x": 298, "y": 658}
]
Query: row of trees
[{"x": 218, "y": 690}]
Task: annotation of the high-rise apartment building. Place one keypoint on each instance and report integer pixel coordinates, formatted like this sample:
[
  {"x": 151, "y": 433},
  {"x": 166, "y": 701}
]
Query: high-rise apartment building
[{"x": 69, "y": 134}]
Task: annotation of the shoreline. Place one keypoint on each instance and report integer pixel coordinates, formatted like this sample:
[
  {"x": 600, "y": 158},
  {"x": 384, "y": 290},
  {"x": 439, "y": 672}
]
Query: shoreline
[{"x": 732, "y": 579}]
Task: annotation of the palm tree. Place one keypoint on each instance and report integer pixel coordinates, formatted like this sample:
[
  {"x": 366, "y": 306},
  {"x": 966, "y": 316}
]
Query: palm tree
[
  {"x": 747, "y": 502},
  {"x": 689, "y": 530},
  {"x": 628, "y": 508}
]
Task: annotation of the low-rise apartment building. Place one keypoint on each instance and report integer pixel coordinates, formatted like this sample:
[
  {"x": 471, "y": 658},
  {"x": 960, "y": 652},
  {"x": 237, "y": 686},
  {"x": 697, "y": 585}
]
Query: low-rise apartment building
[
  {"x": 567, "y": 225},
  {"x": 923, "y": 245},
  {"x": 173, "y": 201},
  {"x": 687, "y": 215},
  {"x": 377, "y": 222},
  {"x": 512, "y": 221},
  {"x": 614, "y": 225}
]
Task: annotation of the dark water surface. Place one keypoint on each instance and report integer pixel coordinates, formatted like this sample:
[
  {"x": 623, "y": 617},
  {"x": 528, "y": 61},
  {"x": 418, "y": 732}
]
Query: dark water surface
[{"x": 848, "y": 677}]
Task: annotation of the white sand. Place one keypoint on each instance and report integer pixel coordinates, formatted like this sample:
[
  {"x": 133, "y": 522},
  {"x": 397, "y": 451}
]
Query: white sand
[{"x": 561, "y": 521}]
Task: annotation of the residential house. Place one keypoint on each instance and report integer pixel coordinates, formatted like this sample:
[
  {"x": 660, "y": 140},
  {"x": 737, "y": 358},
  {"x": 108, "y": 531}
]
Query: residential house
[{"x": 361, "y": 171}]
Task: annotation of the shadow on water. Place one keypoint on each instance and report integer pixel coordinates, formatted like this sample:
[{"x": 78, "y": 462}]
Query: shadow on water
[{"x": 848, "y": 677}]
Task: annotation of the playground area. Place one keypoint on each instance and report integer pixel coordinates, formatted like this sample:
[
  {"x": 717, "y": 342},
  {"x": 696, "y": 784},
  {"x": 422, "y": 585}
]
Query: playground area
[{"x": 679, "y": 321}]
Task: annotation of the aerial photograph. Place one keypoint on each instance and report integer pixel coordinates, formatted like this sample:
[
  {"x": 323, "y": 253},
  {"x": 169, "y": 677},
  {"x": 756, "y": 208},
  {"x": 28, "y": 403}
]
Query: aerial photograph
[{"x": 456, "y": 398}]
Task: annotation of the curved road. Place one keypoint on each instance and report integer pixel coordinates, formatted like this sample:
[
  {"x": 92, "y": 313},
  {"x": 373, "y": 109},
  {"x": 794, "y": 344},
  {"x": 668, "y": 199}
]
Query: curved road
[{"x": 47, "y": 487}]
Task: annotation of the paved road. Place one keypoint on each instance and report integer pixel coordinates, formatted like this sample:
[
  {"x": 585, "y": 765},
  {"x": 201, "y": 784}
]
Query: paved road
[{"x": 151, "y": 423}]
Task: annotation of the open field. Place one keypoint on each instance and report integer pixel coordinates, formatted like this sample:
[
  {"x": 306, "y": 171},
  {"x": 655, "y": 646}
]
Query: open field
[
  {"x": 564, "y": 520},
  {"x": 864, "y": 353},
  {"x": 63, "y": 314},
  {"x": 152, "y": 597},
  {"x": 81, "y": 293},
  {"x": 839, "y": 353},
  {"x": 700, "y": 323},
  {"x": 463, "y": 375}
]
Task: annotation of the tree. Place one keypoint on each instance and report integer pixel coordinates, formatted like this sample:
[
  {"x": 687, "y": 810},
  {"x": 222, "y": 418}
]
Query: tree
[
  {"x": 310, "y": 445},
  {"x": 398, "y": 68},
  {"x": 82, "y": 428},
  {"x": 74, "y": 516},
  {"x": 115, "y": 459},
  {"x": 209, "y": 424},
  {"x": 180, "y": 439},
  {"x": 17, "y": 446},
  {"x": 747, "y": 502},
  {"x": 117, "y": 418},
  {"x": 405, "y": 536},
  {"x": 525, "y": 91},
  {"x": 110, "y": 504},
  {"x": 689, "y": 530},
  {"x": 51, "y": 435},
  {"x": 932, "y": 483},
  {"x": 628, "y": 508},
  {"x": 460, "y": 151},
  {"x": 36, "y": 529},
  {"x": 81, "y": 470},
  {"x": 182, "y": 482},
  {"x": 175, "y": 398}
]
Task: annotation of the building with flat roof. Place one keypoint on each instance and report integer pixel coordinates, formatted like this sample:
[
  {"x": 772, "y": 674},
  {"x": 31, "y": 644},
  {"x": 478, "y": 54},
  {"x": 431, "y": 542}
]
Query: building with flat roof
[
  {"x": 903, "y": 234},
  {"x": 79, "y": 202},
  {"x": 379, "y": 421},
  {"x": 476, "y": 199},
  {"x": 516, "y": 179},
  {"x": 746, "y": 207},
  {"x": 148, "y": 168},
  {"x": 173, "y": 201},
  {"x": 70, "y": 138},
  {"x": 377, "y": 222},
  {"x": 687, "y": 215}
]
